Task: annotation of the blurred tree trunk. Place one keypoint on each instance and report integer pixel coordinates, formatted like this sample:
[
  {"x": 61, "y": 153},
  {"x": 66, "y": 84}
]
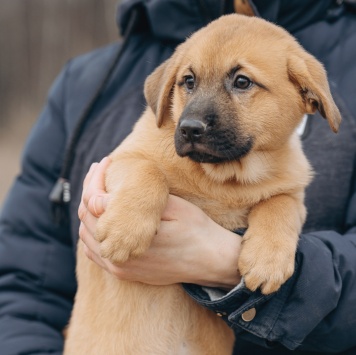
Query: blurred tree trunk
[{"x": 37, "y": 37}]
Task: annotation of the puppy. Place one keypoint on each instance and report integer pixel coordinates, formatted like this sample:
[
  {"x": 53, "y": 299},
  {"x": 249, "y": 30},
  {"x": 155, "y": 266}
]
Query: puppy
[{"x": 219, "y": 131}]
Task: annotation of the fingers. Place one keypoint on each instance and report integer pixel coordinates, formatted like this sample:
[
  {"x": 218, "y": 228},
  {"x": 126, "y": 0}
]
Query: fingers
[
  {"x": 94, "y": 200},
  {"x": 89, "y": 174},
  {"x": 91, "y": 246},
  {"x": 87, "y": 218},
  {"x": 91, "y": 249},
  {"x": 94, "y": 197},
  {"x": 93, "y": 204},
  {"x": 94, "y": 182},
  {"x": 88, "y": 239},
  {"x": 97, "y": 204}
]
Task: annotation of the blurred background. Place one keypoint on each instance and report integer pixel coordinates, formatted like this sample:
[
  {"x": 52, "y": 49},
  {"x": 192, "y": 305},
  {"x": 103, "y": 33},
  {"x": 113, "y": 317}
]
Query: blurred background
[{"x": 37, "y": 37}]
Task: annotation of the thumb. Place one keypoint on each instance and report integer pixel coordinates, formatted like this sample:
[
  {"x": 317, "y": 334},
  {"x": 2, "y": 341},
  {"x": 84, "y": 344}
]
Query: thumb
[{"x": 97, "y": 204}]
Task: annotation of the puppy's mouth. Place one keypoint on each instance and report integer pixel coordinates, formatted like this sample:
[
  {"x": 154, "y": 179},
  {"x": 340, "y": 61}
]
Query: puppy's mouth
[
  {"x": 212, "y": 153},
  {"x": 200, "y": 153}
]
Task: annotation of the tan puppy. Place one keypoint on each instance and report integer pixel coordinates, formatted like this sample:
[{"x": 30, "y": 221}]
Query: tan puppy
[{"x": 219, "y": 131}]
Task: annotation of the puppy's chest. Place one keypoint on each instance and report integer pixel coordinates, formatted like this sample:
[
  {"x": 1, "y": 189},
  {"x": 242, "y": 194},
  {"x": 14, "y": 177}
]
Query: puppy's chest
[{"x": 228, "y": 211}]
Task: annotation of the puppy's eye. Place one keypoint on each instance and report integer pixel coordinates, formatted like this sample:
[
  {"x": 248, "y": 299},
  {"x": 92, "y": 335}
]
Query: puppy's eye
[
  {"x": 189, "y": 82},
  {"x": 242, "y": 82}
]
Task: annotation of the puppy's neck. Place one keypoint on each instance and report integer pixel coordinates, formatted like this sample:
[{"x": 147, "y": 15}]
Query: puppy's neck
[
  {"x": 256, "y": 166},
  {"x": 252, "y": 169}
]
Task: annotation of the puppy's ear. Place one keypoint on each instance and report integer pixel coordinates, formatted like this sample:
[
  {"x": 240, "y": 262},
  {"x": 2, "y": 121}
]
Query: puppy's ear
[
  {"x": 310, "y": 76},
  {"x": 159, "y": 89}
]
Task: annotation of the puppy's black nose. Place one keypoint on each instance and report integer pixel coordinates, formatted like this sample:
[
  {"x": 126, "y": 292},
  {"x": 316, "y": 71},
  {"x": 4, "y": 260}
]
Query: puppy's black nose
[{"x": 192, "y": 129}]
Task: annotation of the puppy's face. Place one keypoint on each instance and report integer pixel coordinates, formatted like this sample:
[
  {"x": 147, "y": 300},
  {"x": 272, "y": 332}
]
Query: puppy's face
[{"x": 240, "y": 84}]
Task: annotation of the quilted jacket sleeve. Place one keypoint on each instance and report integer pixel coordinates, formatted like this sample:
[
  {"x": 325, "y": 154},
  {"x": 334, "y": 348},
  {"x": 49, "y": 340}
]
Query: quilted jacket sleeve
[
  {"x": 37, "y": 280},
  {"x": 314, "y": 310}
]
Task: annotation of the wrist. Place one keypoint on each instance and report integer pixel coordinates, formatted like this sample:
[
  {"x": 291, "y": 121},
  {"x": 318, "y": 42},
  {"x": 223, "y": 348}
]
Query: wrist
[{"x": 223, "y": 249}]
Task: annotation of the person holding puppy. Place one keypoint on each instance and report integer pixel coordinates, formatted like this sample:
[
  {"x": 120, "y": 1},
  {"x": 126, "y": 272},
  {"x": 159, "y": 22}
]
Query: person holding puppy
[{"x": 312, "y": 312}]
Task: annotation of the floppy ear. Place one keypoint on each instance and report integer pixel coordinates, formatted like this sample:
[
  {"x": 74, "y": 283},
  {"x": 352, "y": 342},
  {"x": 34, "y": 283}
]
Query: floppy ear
[
  {"x": 158, "y": 89},
  {"x": 309, "y": 74}
]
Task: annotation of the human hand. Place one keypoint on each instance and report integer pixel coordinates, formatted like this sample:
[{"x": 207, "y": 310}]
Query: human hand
[{"x": 188, "y": 247}]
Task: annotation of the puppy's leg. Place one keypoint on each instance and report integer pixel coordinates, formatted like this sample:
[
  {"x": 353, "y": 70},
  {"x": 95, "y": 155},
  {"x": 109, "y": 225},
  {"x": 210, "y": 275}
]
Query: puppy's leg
[
  {"x": 139, "y": 193},
  {"x": 268, "y": 251}
]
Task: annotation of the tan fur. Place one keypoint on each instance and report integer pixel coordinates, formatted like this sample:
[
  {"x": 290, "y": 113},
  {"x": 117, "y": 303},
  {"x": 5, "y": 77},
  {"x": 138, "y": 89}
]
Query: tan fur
[{"x": 264, "y": 190}]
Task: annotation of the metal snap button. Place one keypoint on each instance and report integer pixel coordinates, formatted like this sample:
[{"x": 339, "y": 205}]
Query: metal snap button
[{"x": 249, "y": 315}]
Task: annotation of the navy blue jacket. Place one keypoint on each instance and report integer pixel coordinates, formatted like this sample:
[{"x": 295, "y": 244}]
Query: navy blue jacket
[{"x": 314, "y": 311}]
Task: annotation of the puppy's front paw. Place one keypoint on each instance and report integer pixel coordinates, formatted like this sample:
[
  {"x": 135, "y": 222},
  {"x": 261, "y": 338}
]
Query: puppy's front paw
[
  {"x": 264, "y": 264},
  {"x": 124, "y": 233}
]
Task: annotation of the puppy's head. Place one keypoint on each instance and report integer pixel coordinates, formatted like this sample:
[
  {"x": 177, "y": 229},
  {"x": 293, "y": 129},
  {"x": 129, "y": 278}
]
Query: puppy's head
[{"x": 239, "y": 84}]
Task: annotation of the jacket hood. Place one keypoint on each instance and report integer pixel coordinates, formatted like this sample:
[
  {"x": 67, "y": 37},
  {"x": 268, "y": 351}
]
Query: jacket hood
[
  {"x": 175, "y": 20},
  {"x": 170, "y": 20}
]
